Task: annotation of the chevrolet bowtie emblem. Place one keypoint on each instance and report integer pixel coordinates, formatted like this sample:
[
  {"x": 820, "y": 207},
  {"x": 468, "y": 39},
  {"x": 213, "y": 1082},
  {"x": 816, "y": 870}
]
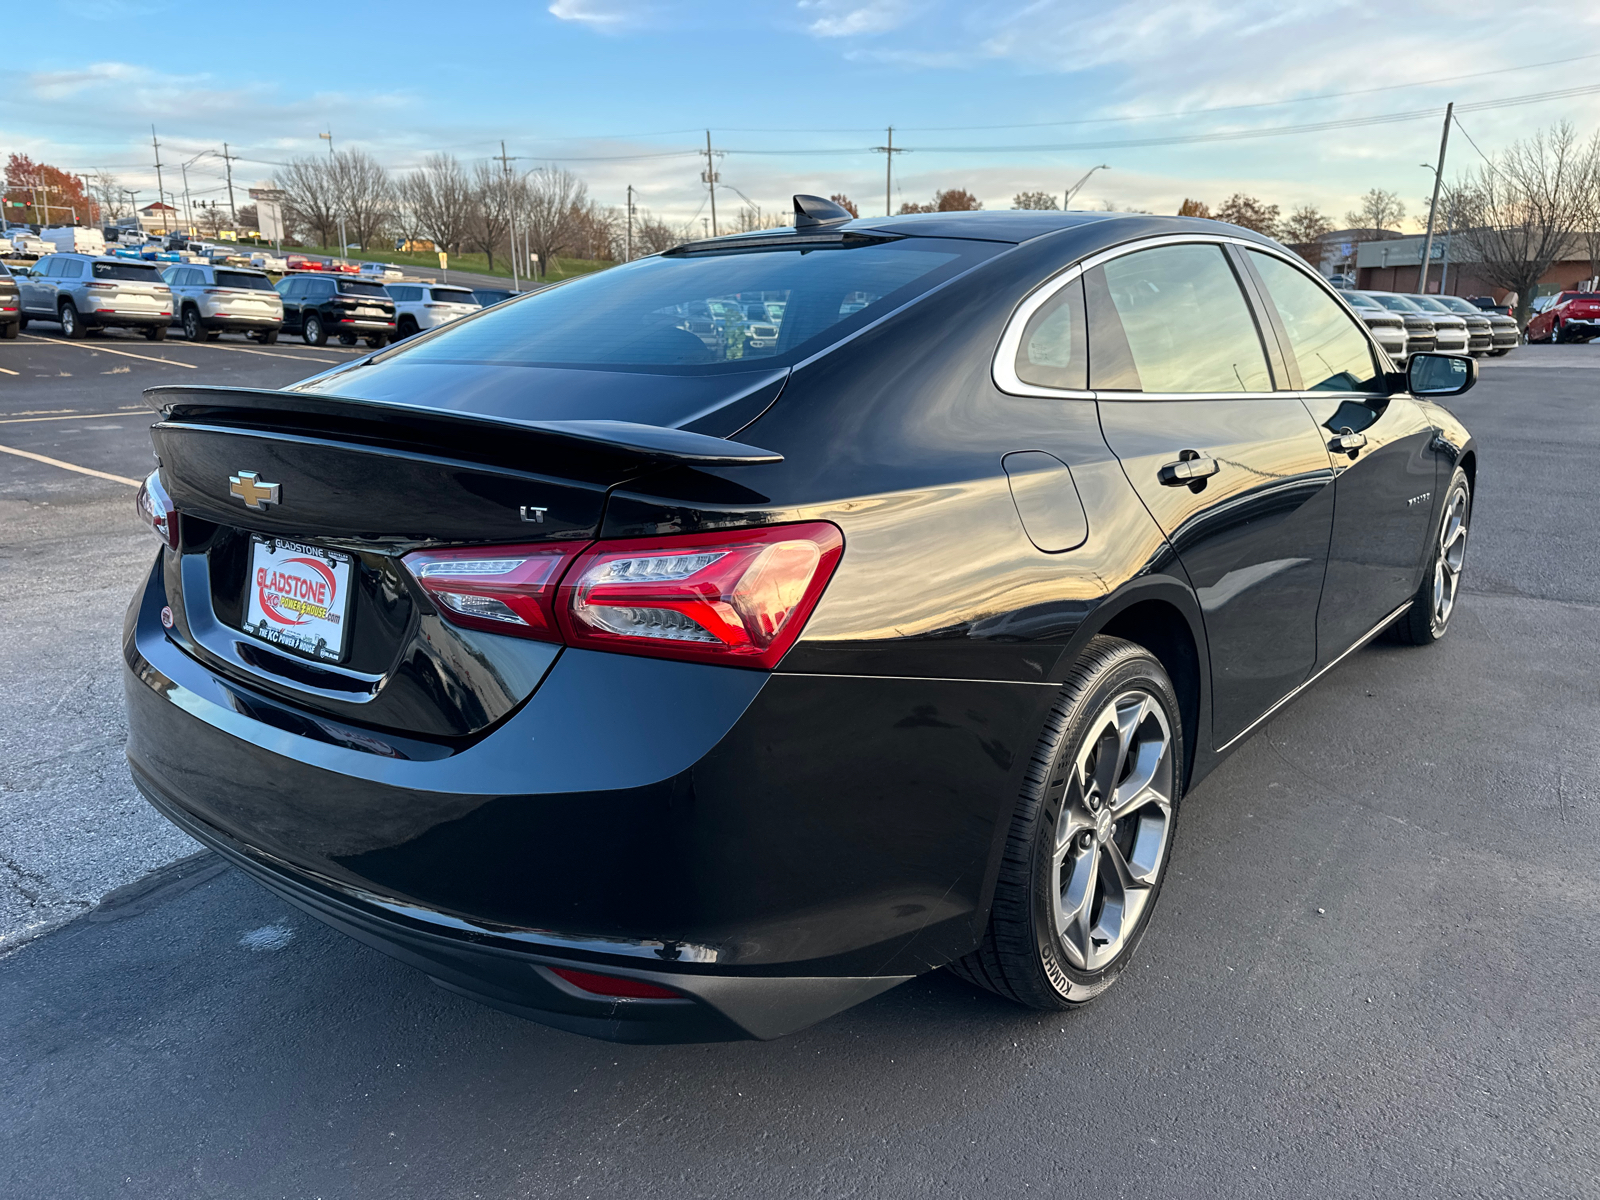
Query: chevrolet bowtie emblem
[{"x": 257, "y": 495}]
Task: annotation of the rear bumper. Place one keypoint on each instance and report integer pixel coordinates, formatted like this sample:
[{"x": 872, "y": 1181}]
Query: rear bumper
[
  {"x": 229, "y": 323},
  {"x": 99, "y": 320},
  {"x": 776, "y": 848}
]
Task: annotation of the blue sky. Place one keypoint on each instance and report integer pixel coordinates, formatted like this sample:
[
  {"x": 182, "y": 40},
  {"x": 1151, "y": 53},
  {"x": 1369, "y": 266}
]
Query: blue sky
[{"x": 996, "y": 97}]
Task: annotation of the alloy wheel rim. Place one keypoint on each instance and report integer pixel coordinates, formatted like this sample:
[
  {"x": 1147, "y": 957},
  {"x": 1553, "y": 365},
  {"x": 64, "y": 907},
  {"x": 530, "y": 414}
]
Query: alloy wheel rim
[
  {"x": 1451, "y": 557},
  {"x": 1113, "y": 830}
]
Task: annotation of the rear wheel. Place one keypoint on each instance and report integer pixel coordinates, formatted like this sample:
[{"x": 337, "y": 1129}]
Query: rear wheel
[
  {"x": 408, "y": 326},
  {"x": 11, "y": 330},
  {"x": 71, "y": 322},
  {"x": 269, "y": 337},
  {"x": 156, "y": 333},
  {"x": 1091, "y": 838},
  {"x": 377, "y": 342},
  {"x": 1428, "y": 618},
  {"x": 313, "y": 332}
]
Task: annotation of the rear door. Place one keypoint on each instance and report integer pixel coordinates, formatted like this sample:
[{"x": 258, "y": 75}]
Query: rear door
[
  {"x": 1236, "y": 475},
  {"x": 37, "y": 291},
  {"x": 1380, "y": 446}
]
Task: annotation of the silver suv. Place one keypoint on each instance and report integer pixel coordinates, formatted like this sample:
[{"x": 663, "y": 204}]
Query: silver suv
[
  {"x": 210, "y": 299},
  {"x": 90, "y": 291}
]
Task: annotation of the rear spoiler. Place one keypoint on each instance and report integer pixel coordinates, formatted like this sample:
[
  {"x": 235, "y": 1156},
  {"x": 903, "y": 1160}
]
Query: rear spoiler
[{"x": 496, "y": 436}]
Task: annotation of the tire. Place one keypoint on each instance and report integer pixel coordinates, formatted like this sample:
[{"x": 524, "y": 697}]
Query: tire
[
  {"x": 377, "y": 343},
  {"x": 22, "y": 323},
  {"x": 213, "y": 335},
  {"x": 407, "y": 328},
  {"x": 10, "y": 331},
  {"x": 1428, "y": 618},
  {"x": 347, "y": 339},
  {"x": 156, "y": 333},
  {"x": 269, "y": 337},
  {"x": 313, "y": 332},
  {"x": 1042, "y": 949},
  {"x": 71, "y": 323},
  {"x": 193, "y": 331},
  {"x": 1555, "y": 333}
]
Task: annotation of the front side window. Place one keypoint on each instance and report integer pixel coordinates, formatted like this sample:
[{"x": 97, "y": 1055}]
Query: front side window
[
  {"x": 1332, "y": 353},
  {"x": 692, "y": 312},
  {"x": 1186, "y": 321}
]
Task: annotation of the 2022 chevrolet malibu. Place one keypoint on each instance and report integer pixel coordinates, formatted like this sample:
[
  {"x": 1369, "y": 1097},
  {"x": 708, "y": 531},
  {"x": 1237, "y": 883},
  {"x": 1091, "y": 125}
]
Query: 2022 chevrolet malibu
[{"x": 659, "y": 681}]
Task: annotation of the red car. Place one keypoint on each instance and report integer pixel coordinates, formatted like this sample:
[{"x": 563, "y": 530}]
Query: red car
[
  {"x": 299, "y": 262},
  {"x": 1574, "y": 317}
]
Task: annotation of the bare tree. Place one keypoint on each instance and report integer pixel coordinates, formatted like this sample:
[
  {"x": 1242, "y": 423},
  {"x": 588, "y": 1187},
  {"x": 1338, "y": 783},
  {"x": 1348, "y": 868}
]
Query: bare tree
[
  {"x": 1305, "y": 224},
  {"x": 552, "y": 212},
  {"x": 108, "y": 192},
  {"x": 364, "y": 195},
  {"x": 494, "y": 199},
  {"x": 1035, "y": 200},
  {"x": 1249, "y": 212},
  {"x": 651, "y": 235},
  {"x": 1379, "y": 209},
  {"x": 311, "y": 202},
  {"x": 438, "y": 201},
  {"x": 1588, "y": 200},
  {"x": 1194, "y": 208},
  {"x": 1518, "y": 213}
]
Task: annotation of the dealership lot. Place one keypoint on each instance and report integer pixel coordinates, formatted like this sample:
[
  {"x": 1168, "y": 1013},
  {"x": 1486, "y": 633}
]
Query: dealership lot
[{"x": 1372, "y": 970}]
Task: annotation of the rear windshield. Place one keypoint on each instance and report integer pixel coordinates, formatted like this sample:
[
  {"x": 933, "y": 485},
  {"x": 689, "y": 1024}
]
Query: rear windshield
[
  {"x": 133, "y": 272},
  {"x": 454, "y": 296},
  {"x": 244, "y": 279},
  {"x": 1583, "y": 296},
  {"x": 716, "y": 311},
  {"x": 354, "y": 287}
]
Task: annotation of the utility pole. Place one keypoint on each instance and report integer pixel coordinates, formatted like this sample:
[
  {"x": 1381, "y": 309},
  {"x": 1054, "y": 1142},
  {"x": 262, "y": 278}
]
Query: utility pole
[
  {"x": 227, "y": 164},
  {"x": 1449, "y": 230},
  {"x": 628, "y": 253},
  {"x": 157, "y": 145},
  {"x": 888, "y": 151},
  {"x": 511, "y": 211},
  {"x": 1433, "y": 208},
  {"x": 711, "y": 178}
]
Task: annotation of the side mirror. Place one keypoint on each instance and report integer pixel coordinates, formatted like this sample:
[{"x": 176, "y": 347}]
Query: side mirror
[{"x": 1440, "y": 374}]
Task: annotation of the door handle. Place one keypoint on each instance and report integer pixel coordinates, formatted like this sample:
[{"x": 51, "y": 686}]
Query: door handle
[
  {"x": 1348, "y": 441},
  {"x": 1191, "y": 467}
]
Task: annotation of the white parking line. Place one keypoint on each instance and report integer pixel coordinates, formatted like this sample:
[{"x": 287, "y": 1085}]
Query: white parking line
[
  {"x": 73, "y": 417},
  {"x": 99, "y": 349},
  {"x": 66, "y": 466},
  {"x": 3, "y": 371},
  {"x": 267, "y": 353}
]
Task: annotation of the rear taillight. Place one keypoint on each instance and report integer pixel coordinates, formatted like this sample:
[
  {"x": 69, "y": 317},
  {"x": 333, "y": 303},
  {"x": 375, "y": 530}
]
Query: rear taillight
[
  {"x": 614, "y": 985},
  {"x": 738, "y": 598},
  {"x": 503, "y": 589},
  {"x": 156, "y": 509}
]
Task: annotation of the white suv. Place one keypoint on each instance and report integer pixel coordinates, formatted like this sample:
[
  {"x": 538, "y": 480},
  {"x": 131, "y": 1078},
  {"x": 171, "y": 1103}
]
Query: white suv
[
  {"x": 208, "y": 300},
  {"x": 422, "y": 306}
]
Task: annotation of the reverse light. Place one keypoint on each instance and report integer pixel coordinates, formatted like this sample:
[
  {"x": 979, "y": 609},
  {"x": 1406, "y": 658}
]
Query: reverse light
[
  {"x": 155, "y": 509},
  {"x": 614, "y": 985},
  {"x": 738, "y": 598},
  {"x": 502, "y": 589}
]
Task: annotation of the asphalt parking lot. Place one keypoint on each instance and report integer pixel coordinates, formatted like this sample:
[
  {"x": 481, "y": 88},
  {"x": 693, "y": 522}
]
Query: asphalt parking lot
[{"x": 1373, "y": 972}]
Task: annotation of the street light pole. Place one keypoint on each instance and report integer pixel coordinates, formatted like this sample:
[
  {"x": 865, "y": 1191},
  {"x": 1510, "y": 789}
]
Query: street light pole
[
  {"x": 1066, "y": 200},
  {"x": 1433, "y": 208},
  {"x": 334, "y": 158}
]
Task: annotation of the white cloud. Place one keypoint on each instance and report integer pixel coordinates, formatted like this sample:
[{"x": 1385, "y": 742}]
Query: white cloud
[
  {"x": 853, "y": 18},
  {"x": 608, "y": 15}
]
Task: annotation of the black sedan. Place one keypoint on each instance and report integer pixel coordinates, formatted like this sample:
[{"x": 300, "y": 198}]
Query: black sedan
[{"x": 664, "y": 688}]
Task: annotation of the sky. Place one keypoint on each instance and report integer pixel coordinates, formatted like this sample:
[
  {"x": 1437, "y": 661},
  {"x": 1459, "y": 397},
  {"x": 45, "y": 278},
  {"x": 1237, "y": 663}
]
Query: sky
[{"x": 1176, "y": 98}]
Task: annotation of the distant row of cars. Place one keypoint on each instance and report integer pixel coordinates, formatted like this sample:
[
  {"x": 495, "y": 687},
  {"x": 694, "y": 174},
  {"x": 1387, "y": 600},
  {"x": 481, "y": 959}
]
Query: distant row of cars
[
  {"x": 86, "y": 292},
  {"x": 1415, "y": 324}
]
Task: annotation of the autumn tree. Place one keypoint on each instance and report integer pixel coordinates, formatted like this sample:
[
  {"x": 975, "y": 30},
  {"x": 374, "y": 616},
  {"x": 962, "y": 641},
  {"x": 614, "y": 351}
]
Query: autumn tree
[
  {"x": 845, "y": 203},
  {"x": 1305, "y": 224},
  {"x": 1035, "y": 201},
  {"x": 1379, "y": 209},
  {"x": 1194, "y": 208},
  {"x": 48, "y": 195},
  {"x": 1249, "y": 212},
  {"x": 948, "y": 200}
]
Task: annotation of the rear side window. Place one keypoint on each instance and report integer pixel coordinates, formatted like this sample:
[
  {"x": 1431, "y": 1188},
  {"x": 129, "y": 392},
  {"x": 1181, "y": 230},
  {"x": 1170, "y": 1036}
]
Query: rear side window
[
  {"x": 130, "y": 272},
  {"x": 453, "y": 296},
  {"x": 692, "y": 311},
  {"x": 71, "y": 268},
  {"x": 1333, "y": 355},
  {"x": 244, "y": 279},
  {"x": 1053, "y": 352},
  {"x": 404, "y": 294},
  {"x": 1187, "y": 326}
]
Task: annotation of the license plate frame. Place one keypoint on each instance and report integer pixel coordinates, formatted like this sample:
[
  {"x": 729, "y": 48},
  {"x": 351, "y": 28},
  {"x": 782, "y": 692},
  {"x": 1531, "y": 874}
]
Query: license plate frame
[{"x": 298, "y": 598}]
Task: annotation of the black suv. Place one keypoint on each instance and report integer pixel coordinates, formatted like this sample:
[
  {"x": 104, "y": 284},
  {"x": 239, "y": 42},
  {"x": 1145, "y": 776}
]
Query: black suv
[{"x": 316, "y": 305}]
